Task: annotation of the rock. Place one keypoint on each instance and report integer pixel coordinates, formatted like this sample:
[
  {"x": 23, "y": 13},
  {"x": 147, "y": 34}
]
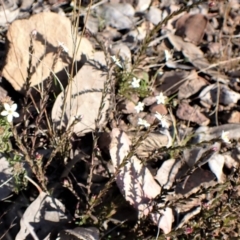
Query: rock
[
  {"x": 7, "y": 16},
  {"x": 26, "y": 5},
  {"x": 143, "y": 5},
  {"x": 83, "y": 98},
  {"x": 118, "y": 16},
  {"x": 45, "y": 45},
  {"x": 160, "y": 108},
  {"x": 149, "y": 100},
  {"x": 124, "y": 53},
  {"x": 188, "y": 113},
  {"x": 154, "y": 15}
]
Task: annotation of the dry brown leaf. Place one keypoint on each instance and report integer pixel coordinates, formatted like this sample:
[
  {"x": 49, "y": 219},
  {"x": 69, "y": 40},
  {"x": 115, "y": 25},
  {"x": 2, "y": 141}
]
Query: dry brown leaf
[
  {"x": 192, "y": 184},
  {"x": 196, "y": 57},
  {"x": 134, "y": 180},
  {"x": 164, "y": 219},
  {"x": 191, "y": 27},
  {"x": 188, "y": 216},
  {"x": 152, "y": 142},
  {"x": 42, "y": 216},
  {"x": 209, "y": 133},
  {"x": 192, "y": 85},
  {"x": 188, "y": 113},
  {"x": 80, "y": 233},
  {"x": 170, "y": 82},
  {"x": 209, "y": 95},
  {"x": 166, "y": 174}
]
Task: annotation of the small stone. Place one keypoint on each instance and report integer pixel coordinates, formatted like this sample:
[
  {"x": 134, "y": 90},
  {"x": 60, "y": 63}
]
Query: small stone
[
  {"x": 154, "y": 15},
  {"x": 149, "y": 100},
  {"x": 45, "y": 46},
  {"x": 160, "y": 108}
]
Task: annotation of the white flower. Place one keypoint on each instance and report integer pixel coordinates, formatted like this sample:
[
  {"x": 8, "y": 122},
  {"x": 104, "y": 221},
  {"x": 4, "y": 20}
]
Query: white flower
[
  {"x": 63, "y": 46},
  {"x": 116, "y": 61},
  {"x": 143, "y": 122},
  {"x": 225, "y": 137},
  {"x": 10, "y": 111},
  {"x": 161, "y": 98},
  {"x": 167, "y": 55},
  {"x": 139, "y": 107},
  {"x": 136, "y": 82},
  {"x": 164, "y": 122}
]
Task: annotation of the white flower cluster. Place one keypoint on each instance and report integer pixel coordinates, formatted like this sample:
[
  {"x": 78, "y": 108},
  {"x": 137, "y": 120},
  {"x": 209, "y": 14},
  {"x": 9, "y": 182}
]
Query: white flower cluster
[{"x": 161, "y": 99}]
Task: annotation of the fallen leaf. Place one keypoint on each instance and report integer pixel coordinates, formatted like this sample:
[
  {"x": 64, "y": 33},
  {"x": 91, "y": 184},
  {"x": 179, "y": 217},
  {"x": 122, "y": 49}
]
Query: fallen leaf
[
  {"x": 209, "y": 95},
  {"x": 209, "y": 133},
  {"x": 216, "y": 163},
  {"x": 192, "y": 184},
  {"x": 134, "y": 180},
  {"x": 196, "y": 57},
  {"x": 170, "y": 82},
  {"x": 188, "y": 113},
  {"x": 191, "y": 86},
  {"x": 151, "y": 143},
  {"x": 42, "y": 216},
  {"x": 80, "y": 233},
  {"x": 188, "y": 216},
  {"x": 167, "y": 173},
  {"x": 164, "y": 219},
  {"x": 191, "y": 27}
]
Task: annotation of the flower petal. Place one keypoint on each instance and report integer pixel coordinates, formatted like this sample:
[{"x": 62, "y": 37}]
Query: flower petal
[
  {"x": 10, "y": 118},
  {"x": 15, "y": 114},
  {"x": 7, "y": 106},
  {"x": 4, "y": 113},
  {"x": 14, "y": 107}
]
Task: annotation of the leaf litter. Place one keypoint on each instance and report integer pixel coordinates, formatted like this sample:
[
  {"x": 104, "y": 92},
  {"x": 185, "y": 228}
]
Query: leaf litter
[{"x": 149, "y": 104}]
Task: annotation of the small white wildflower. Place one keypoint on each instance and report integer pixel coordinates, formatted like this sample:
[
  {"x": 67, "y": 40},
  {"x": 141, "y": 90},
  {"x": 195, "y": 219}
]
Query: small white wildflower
[
  {"x": 10, "y": 111},
  {"x": 63, "y": 46},
  {"x": 135, "y": 82},
  {"x": 143, "y": 123},
  {"x": 139, "y": 107},
  {"x": 161, "y": 99},
  {"x": 168, "y": 55},
  {"x": 164, "y": 122},
  {"x": 225, "y": 137},
  {"x": 116, "y": 61}
]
